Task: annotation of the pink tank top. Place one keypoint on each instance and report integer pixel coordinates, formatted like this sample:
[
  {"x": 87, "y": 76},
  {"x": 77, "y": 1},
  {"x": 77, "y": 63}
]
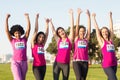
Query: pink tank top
[
  {"x": 19, "y": 49},
  {"x": 63, "y": 54},
  {"x": 108, "y": 53},
  {"x": 80, "y": 50},
  {"x": 38, "y": 55}
]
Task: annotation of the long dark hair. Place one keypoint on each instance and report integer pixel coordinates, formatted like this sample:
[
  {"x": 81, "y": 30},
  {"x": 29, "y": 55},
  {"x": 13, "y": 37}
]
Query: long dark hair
[
  {"x": 39, "y": 33},
  {"x": 81, "y": 26},
  {"x": 107, "y": 30}
]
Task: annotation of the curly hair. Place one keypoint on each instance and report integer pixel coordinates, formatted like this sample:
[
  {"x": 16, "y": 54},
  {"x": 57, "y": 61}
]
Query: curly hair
[{"x": 15, "y": 28}]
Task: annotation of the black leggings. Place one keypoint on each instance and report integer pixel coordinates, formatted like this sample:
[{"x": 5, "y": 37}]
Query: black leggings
[
  {"x": 111, "y": 72},
  {"x": 57, "y": 67},
  {"x": 80, "y": 69},
  {"x": 39, "y": 72}
]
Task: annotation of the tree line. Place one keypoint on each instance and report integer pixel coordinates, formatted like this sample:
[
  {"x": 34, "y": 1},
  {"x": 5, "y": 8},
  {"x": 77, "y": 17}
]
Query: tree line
[{"x": 94, "y": 49}]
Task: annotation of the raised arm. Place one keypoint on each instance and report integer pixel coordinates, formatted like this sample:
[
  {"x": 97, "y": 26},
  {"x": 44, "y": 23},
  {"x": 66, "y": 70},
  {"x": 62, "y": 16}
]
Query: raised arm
[
  {"x": 71, "y": 35},
  {"x": 79, "y": 11},
  {"x": 89, "y": 25},
  {"x": 28, "y": 26},
  {"x": 99, "y": 38},
  {"x": 35, "y": 31},
  {"x": 111, "y": 26},
  {"x": 7, "y": 28},
  {"x": 53, "y": 31},
  {"x": 47, "y": 29}
]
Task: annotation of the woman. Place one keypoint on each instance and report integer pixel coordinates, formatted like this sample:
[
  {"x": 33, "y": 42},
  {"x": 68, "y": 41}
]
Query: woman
[
  {"x": 80, "y": 56},
  {"x": 105, "y": 40},
  {"x": 64, "y": 46},
  {"x": 37, "y": 44},
  {"x": 18, "y": 41}
]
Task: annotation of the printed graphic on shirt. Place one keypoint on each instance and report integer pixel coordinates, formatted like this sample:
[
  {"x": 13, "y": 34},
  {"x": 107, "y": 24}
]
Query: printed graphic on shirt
[
  {"x": 110, "y": 48},
  {"x": 64, "y": 44},
  {"x": 82, "y": 44},
  {"x": 40, "y": 50},
  {"x": 19, "y": 45}
]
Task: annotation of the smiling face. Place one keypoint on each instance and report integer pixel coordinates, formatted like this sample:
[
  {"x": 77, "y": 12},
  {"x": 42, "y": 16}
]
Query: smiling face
[
  {"x": 61, "y": 32},
  {"x": 105, "y": 33},
  {"x": 40, "y": 38},
  {"x": 17, "y": 34},
  {"x": 17, "y": 31},
  {"x": 82, "y": 32}
]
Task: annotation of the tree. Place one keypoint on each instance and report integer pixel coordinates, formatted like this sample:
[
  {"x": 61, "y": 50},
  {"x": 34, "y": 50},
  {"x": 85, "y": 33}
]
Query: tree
[
  {"x": 52, "y": 47},
  {"x": 116, "y": 42},
  {"x": 94, "y": 51}
]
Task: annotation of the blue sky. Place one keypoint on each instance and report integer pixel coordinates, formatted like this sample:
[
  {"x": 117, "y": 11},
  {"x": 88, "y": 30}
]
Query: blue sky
[{"x": 55, "y": 9}]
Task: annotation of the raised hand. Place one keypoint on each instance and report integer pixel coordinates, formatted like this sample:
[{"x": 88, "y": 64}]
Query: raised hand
[
  {"x": 111, "y": 26},
  {"x": 37, "y": 15},
  {"x": 26, "y": 15},
  {"x": 47, "y": 20},
  {"x": 28, "y": 25},
  {"x": 110, "y": 13},
  {"x": 88, "y": 12},
  {"x": 8, "y": 15},
  {"x": 79, "y": 11},
  {"x": 71, "y": 11},
  {"x": 93, "y": 15},
  {"x": 50, "y": 20},
  {"x": 7, "y": 28}
]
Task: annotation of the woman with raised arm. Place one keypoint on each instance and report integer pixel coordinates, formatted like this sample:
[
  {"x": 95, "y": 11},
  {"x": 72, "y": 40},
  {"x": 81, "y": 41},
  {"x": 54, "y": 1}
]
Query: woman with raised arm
[
  {"x": 80, "y": 56},
  {"x": 64, "y": 46},
  {"x": 19, "y": 44},
  {"x": 105, "y": 40},
  {"x": 37, "y": 44}
]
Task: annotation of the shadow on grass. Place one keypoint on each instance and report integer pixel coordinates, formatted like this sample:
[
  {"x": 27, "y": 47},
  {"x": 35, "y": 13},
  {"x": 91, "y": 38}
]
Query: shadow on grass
[{"x": 99, "y": 66}]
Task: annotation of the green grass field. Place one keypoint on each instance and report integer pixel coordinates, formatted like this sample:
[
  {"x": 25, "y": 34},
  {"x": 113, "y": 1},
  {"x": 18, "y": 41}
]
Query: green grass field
[{"x": 95, "y": 73}]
